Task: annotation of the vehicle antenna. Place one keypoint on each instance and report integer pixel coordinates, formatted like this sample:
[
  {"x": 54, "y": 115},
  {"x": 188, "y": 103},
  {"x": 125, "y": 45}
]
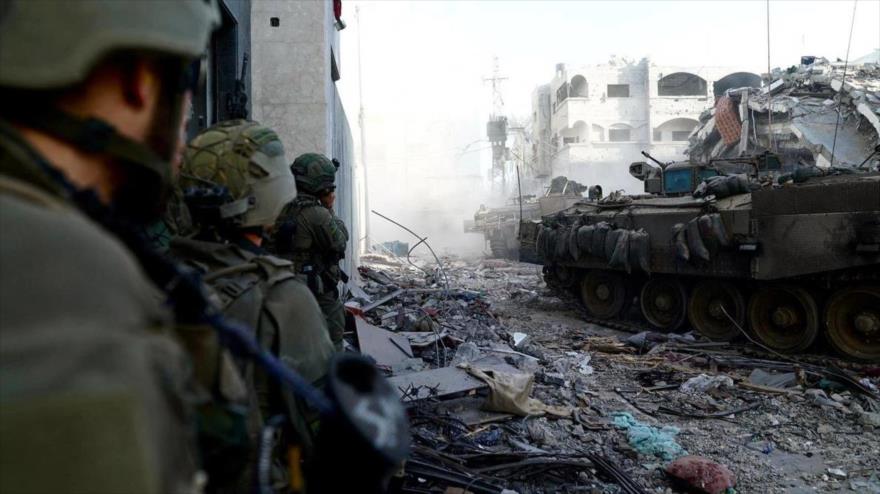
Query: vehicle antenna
[{"x": 843, "y": 83}]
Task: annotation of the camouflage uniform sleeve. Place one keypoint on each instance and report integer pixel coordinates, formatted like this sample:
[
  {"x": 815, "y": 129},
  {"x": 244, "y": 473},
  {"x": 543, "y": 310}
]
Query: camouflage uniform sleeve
[{"x": 329, "y": 232}]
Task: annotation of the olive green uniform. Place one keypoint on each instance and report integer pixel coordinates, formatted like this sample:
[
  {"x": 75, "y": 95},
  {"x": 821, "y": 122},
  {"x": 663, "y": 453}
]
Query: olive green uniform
[
  {"x": 93, "y": 390},
  {"x": 263, "y": 292},
  {"x": 315, "y": 248}
]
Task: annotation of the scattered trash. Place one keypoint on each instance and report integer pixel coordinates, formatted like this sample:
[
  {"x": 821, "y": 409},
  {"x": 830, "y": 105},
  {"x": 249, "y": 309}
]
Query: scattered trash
[
  {"x": 702, "y": 475},
  {"x": 837, "y": 473},
  {"x": 773, "y": 380},
  {"x": 510, "y": 393},
  {"x": 519, "y": 339},
  {"x": 649, "y": 440},
  {"x": 706, "y": 384}
]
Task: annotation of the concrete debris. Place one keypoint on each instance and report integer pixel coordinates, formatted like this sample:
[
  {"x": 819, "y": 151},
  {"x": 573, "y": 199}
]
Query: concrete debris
[
  {"x": 837, "y": 473},
  {"x": 706, "y": 384},
  {"x": 632, "y": 401},
  {"x": 773, "y": 380},
  {"x": 702, "y": 475},
  {"x": 803, "y": 103}
]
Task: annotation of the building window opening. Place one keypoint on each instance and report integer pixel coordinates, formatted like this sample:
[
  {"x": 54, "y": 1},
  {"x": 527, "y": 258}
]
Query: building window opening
[
  {"x": 598, "y": 133},
  {"x": 619, "y": 135},
  {"x": 677, "y": 129},
  {"x": 618, "y": 90},
  {"x": 562, "y": 93},
  {"x": 682, "y": 84},
  {"x": 680, "y": 135},
  {"x": 736, "y": 80},
  {"x": 274, "y": 21},
  {"x": 578, "y": 88}
]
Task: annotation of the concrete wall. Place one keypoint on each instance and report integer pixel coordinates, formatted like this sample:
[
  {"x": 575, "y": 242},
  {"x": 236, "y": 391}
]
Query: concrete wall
[{"x": 295, "y": 65}]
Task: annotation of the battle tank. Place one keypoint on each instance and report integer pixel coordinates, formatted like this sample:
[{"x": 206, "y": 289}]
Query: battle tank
[
  {"x": 500, "y": 225},
  {"x": 728, "y": 246}
]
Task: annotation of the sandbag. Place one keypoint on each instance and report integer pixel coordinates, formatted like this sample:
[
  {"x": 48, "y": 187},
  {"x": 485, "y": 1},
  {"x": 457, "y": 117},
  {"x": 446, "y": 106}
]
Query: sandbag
[
  {"x": 611, "y": 243},
  {"x": 585, "y": 239},
  {"x": 639, "y": 250},
  {"x": 573, "y": 248},
  {"x": 562, "y": 242},
  {"x": 551, "y": 235},
  {"x": 680, "y": 239},
  {"x": 620, "y": 256},
  {"x": 705, "y": 224},
  {"x": 723, "y": 186},
  {"x": 695, "y": 242},
  {"x": 602, "y": 229},
  {"x": 541, "y": 242},
  {"x": 719, "y": 231}
]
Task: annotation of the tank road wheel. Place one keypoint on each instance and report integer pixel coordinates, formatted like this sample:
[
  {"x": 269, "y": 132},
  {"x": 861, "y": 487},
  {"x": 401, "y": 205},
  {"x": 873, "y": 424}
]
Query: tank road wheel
[
  {"x": 566, "y": 277},
  {"x": 784, "y": 318},
  {"x": 664, "y": 303},
  {"x": 603, "y": 293},
  {"x": 852, "y": 317},
  {"x": 704, "y": 309}
]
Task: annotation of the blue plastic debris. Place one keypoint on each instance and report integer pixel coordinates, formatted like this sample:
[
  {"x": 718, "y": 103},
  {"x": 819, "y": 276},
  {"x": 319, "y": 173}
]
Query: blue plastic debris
[{"x": 649, "y": 440}]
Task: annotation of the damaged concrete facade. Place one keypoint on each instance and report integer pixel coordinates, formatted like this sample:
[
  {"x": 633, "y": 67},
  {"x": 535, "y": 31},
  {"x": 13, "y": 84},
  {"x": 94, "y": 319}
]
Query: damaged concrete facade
[
  {"x": 590, "y": 122},
  {"x": 296, "y": 64},
  {"x": 797, "y": 116}
]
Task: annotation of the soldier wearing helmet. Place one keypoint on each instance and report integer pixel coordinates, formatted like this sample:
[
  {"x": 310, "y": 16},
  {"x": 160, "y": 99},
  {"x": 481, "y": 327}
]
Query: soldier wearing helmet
[
  {"x": 314, "y": 238},
  {"x": 95, "y": 390},
  {"x": 235, "y": 182}
]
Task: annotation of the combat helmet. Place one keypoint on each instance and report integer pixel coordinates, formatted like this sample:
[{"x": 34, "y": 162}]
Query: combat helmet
[
  {"x": 235, "y": 172},
  {"x": 315, "y": 173},
  {"x": 55, "y": 44}
]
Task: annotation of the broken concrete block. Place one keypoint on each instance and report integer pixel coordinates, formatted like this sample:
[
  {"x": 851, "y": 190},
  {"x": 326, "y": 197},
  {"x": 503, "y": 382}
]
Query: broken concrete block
[
  {"x": 870, "y": 419},
  {"x": 701, "y": 474},
  {"x": 554, "y": 378},
  {"x": 837, "y": 473},
  {"x": 519, "y": 339}
]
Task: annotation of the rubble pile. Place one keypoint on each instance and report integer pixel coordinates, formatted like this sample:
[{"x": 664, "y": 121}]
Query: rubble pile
[
  {"x": 509, "y": 390},
  {"x": 812, "y": 110}
]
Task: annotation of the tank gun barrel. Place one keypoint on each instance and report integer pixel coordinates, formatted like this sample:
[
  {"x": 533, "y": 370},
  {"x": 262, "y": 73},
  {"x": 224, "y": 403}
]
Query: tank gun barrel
[{"x": 655, "y": 160}]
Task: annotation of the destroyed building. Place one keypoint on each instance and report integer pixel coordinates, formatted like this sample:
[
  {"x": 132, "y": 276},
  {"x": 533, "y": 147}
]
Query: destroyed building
[
  {"x": 590, "y": 121},
  {"x": 807, "y": 114}
]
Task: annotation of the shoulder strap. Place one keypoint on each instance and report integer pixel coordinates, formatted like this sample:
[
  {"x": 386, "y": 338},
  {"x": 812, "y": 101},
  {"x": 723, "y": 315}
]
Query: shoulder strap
[
  {"x": 230, "y": 283},
  {"x": 32, "y": 194}
]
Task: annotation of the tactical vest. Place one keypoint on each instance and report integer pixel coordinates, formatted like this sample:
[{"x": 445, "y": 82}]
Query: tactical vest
[{"x": 240, "y": 291}]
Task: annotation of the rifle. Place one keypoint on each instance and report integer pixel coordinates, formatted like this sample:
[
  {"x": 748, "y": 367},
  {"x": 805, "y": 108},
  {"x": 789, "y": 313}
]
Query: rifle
[{"x": 236, "y": 101}]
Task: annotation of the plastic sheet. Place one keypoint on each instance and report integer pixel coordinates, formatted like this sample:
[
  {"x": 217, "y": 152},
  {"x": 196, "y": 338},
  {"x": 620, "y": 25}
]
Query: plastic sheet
[{"x": 649, "y": 440}]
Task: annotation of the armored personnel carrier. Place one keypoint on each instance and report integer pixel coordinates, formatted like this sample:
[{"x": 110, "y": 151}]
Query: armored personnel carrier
[
  {"x": 728, "y": 244},
  {"x": 500, "y": 226}
]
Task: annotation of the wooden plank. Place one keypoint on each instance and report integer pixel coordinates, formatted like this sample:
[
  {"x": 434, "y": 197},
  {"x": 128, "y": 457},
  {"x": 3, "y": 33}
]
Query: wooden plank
[
  {"x": 385, "y": 347},
  {"x": 445, "y": 381}
]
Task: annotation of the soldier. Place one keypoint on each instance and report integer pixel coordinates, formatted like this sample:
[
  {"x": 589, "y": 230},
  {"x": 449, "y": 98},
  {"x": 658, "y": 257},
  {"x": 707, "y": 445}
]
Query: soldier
[
  {"x": 314, "y": 238},
  {"x": 235, "y": 182},
  {"x": 95, "y": 391}
]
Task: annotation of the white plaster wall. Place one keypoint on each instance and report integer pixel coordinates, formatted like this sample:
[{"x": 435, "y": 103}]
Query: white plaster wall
[
  {"x": 290, "y": 73},
  {"x": 293, "y": 93}
]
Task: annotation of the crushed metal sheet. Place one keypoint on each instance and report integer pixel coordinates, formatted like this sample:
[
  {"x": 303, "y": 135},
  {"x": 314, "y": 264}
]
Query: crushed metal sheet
[
  {"x": 387, "y": 349},
  {"x": 435, "y": 383}
]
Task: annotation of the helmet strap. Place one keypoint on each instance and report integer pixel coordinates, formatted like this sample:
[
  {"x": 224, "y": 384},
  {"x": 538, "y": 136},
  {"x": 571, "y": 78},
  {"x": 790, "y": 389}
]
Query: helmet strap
[{"x": 93, "y": 135}]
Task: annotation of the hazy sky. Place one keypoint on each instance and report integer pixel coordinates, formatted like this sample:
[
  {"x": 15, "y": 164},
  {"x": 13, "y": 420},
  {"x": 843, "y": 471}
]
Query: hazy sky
[{"x": 424, "y": 61}]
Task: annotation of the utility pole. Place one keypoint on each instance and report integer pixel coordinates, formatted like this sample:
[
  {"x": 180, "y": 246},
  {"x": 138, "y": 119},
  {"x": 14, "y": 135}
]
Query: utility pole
[
  {"x": 496, "y": 128},
  {"x": 363, "y": 133}
]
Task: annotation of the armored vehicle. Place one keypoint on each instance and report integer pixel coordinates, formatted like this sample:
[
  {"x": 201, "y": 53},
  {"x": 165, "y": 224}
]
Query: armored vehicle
[
  {"x": 728, "y": 246},
  {"x": 500, "y": 226}
]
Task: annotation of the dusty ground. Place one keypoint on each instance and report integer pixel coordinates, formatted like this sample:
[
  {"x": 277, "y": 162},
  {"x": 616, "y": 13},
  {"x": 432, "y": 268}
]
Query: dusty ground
[{"x": 798, "y": 441}]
